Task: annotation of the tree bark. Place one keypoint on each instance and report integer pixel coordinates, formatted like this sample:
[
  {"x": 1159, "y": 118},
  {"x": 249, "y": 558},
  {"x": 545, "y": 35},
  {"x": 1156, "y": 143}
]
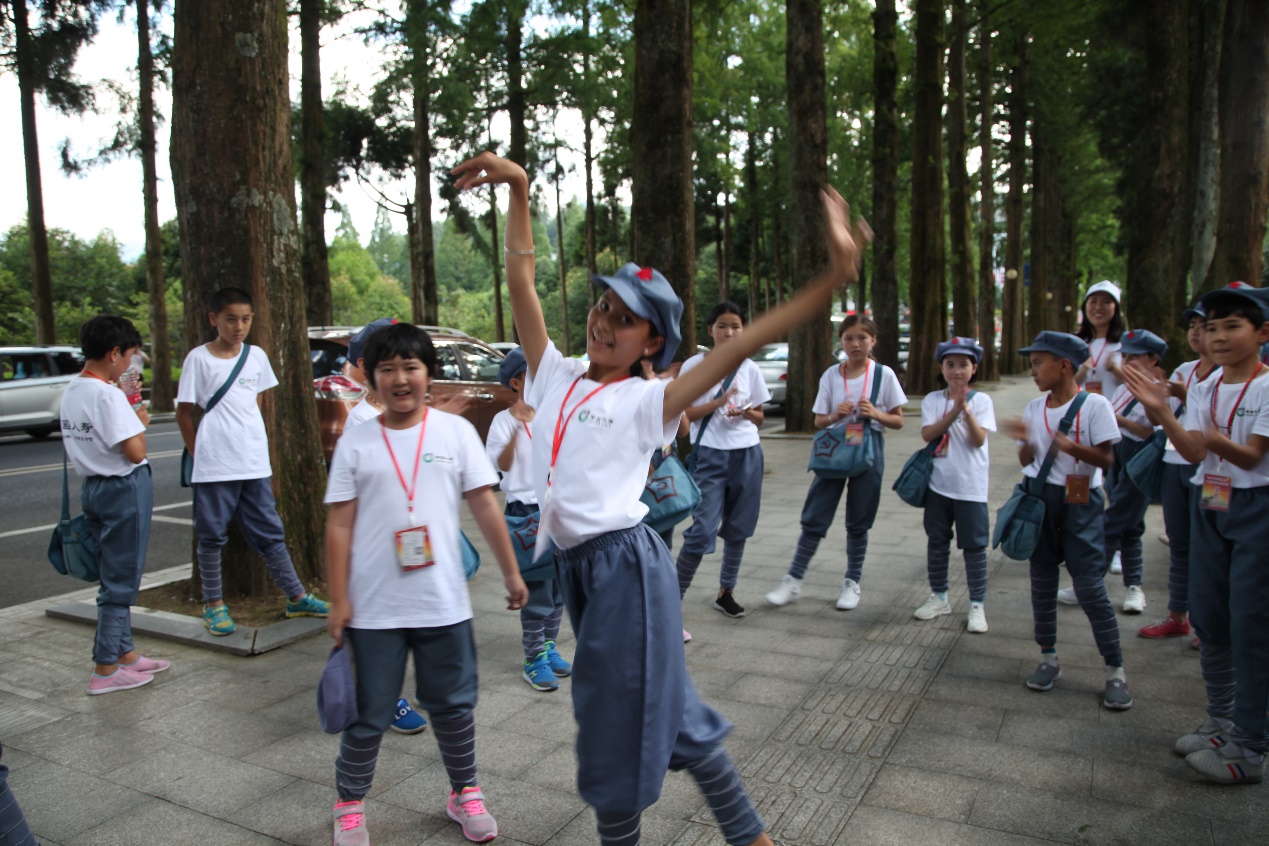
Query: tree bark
[
  {"x": 1012, "y": 338},
  {"x": 1039, "y": 297},
  {"x": 964, "y": 311},
  {"x": 423, "y": 298},
  {"x": 757, "y": 282},
  {"x": 41, "y": 274},
  {"x": 161, "y": 394},
  {"x": 1244, "y": 133},
  {"x": 495, "y": 261},
  {"x": 885, "y": 183},
  {"x": 989, "y": 367},
  {"x": 588, "y": 142},
  {"x": 663, "y": 216},
  {"x": 927, "y": 288},
  {"x": 559, "y": 238},
  {"x": 235, "y": 198},
  {"x": 517, "y": 149},
  {"x": 1207, "y": 159},
  {"x": 314, "y": 265}
]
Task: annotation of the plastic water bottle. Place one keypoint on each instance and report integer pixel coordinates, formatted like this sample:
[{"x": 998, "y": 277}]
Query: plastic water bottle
[{"x": 130, "y": 384}]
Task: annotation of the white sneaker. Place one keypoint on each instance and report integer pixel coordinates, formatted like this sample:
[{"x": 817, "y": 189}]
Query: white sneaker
[
  {"x": 1135, "y": 601},
  {"x": 977, "y": 618},
  {"x": 1066, "y": 596},
  {"x": 933, "y": 607},
  {"x": 1117, "y": 564},
  {"x": 849, "y": 597},
  {"x": 790, "y": 590}
]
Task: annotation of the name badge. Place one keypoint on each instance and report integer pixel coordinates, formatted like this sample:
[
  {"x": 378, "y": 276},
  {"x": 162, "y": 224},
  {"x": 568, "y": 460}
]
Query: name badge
[
  {"x": 940, "y": 451},
  {"x": 1216, "y": 491},
  {"x": 414, "y": 548},
  {"x": 1093, "y": 387},
  {"x": 1077, "y": 489},
  {"x": 854, "y": 434}
]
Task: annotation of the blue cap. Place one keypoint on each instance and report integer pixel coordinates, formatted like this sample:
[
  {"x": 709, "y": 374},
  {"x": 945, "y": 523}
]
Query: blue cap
[
  {"x": 1239, "y": 292},
  {"x": 1195, "y": 310},
  {"x": 1061, "y": 344},
  {"x": 648, "y": 294},
  {"x": 959, "y": 346},
  {"x": 357, "y": 343},
  {"x": 512, "y": 365},
  {"x": 337, "y": 693},
  {"x": 1142, "y": 342}
]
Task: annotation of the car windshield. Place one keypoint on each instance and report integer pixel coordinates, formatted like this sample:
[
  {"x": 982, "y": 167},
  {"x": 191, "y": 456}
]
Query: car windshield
[{"x": 774, "y": 352}]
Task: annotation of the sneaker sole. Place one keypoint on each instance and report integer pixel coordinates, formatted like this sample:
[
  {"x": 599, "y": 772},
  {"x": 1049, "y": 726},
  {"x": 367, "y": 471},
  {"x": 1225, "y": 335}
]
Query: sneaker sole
[
  {"x": 840, "y": 607},
  {"x": 1044, "y": 688},
  {"x": 418, "y": 730},
  {"x": 531, "y": 683},
  {"x": 917, "y": 615},
  {"x": 293, "y": 614},
  {"x": 148, "y": 679},
  {"x": 215, "y": 633},
  {"x": 788, "y": 601},
  {"x": 456, "y": 818},
  {"x": 727, "y": 613},
  {"x": 976, "y": 629},
  {"x": 1142, "y": 633},
  {"x": 1116, "y": 706}
]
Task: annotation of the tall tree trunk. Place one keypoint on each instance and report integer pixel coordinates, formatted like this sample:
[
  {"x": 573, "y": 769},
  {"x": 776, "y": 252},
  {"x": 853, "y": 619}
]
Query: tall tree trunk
[
  {"x": 1013, "y": 305},
  {"x": 927, "y": 288},
  {"x": 314, "y": 266},
  {"x": 1207, "y": 158},
  {"x": 808, "y": 166},
  {"x": 495, "y": 260},
  {"x": 588, "y": 142},
  {"x": 235, "y": 198},
  {"x": 161, "y": 393},
  {"x": 663, "y": 214},
  {"x": 559, "y": 240},
  {"x": 885, "y": 183},
  {"x": 425, "y": 307},
  {"x": 757, "y": 282},
  {"x": 964, "y": 311},
  {"x": 1039, "y": 297},
  {"x": 1244, "y": 130},
  {"x": 517, "y": 150},
  {"x": 724, "y": 293},
  {"x": 41, "y": 275},
  {"x": 989, "y": 368}
]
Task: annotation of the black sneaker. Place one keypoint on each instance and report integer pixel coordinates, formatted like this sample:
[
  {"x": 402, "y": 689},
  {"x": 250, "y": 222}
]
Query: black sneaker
[{"x": 728, "y": 605}]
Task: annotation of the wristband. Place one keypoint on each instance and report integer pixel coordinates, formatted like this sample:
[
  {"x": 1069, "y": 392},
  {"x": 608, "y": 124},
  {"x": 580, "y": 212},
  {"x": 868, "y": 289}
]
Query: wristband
[{"x": 512, "y": 252}]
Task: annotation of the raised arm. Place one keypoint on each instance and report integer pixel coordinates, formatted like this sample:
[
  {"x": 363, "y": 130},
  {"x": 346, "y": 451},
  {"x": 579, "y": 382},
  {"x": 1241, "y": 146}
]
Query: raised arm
[
  {"x": 526, "y": 310},
  {"x": 844, "y": 249}
]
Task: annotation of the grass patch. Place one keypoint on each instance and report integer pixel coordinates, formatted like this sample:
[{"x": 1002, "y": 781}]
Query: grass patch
[{"x": 254, "y": 611}]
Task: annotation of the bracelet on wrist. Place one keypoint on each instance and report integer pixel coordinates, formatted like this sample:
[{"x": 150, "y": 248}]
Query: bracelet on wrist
[{"x": 512, "y": 252}]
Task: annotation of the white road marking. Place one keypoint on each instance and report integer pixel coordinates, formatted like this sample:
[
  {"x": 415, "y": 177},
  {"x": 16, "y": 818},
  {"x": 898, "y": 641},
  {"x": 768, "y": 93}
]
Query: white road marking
[
  {"x": 161, "y": 518},
  {"x": 44, "y": 468}
]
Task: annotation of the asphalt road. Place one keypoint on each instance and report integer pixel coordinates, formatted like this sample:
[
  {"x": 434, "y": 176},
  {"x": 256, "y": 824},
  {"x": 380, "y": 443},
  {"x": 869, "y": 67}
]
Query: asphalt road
[{"x": 31, "y": 493}]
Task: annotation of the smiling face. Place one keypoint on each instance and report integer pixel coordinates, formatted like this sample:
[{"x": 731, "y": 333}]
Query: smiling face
[
  {"x": 402, "y": 384},
  {"x": 232, "y": 322},
  {"x": 616, "y": 337},
  {"x": 1048, "y": 370},
  {"x": 725, "y": 327},
  {"x": 957, "y": 369},
  {"x": 1100, "y": 309}
]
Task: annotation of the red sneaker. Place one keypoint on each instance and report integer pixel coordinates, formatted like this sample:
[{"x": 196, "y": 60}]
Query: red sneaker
[{"x": 1166, "y": 628}]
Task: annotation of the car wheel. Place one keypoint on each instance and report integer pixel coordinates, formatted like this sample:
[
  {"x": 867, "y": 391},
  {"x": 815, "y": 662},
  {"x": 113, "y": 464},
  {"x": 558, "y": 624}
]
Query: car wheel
[{"x": 40, "y": 434}]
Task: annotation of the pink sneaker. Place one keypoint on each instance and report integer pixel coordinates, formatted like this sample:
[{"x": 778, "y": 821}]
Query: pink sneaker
[
  {"x": 687, "y": 636},
  {"x": 147, "y": 665},
  {"x": 350, "y": 824},
  {"x": 468, "y": 810},
  {"x": 121, "y": 679}
]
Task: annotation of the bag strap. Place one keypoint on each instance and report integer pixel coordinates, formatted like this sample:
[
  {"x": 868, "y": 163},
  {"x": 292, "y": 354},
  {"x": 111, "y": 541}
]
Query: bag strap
[
  {"x": 876, "y": 383},
  {"x": 1063, "y": 428},
  {"x": 700, "y": 433},
  {"x": 66, "y": 509},
  {"x": 233, "y": 374}
]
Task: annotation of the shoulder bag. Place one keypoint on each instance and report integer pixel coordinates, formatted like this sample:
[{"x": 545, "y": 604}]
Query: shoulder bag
[
  {"x": 187, "y": 460},
  {"x": 72, "y": 550},
  {"x": 832, "y": 457}
]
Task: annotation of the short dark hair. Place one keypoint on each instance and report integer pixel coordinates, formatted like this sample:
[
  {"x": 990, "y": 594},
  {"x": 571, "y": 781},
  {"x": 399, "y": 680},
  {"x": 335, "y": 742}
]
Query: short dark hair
[
  {"x": 401, "y": 340},
  {"x": 725, "y": 307},
  {"x": 101, "y": 334},
  {"x": 862, "y": 321},
  {"x": 230, "y": 296},
  {"x": 1236, "y": 307}
]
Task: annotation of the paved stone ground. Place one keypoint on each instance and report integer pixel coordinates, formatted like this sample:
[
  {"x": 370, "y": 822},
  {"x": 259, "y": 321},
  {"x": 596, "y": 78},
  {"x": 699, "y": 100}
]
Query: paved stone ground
[{"x": 851, "y": 727}]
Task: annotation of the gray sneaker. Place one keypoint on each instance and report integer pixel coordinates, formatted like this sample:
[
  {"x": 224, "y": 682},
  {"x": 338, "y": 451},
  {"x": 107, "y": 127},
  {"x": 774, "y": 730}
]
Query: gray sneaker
[
  {"x": 1228, "y": 764},
  {"x": 1205, "y": 736},
  {"x": 1044, "y": 676},
  {"x": 1117, "y": 697}
]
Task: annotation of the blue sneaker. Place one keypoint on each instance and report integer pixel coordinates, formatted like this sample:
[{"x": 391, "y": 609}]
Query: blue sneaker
[
  {"x": 407, "y": 720},
  {"x": 538, "y": 674},
  {"x": 218, "y": 621},
  {"x": 308, "y": 606},
  {"x": 559, "y": 666}
]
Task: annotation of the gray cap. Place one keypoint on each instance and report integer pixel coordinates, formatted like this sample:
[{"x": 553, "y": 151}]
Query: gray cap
[
  {"x": 1061, "y": 344},
  {"x": 648, "y": 294},
  {"x": 337, "y": 693}
]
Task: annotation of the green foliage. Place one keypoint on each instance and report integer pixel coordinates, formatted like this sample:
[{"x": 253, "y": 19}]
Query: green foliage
[{"x": 360, "y": 292}]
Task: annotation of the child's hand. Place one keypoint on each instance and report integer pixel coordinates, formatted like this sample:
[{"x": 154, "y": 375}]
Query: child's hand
[
  {"x": 845, "y": 409},
  {"x": 845, "y": 243},
  {"x": 1152, "y": 395},
  {"x": 728, "y": 395},
  {"x": 337, "y": 620},
  {"x": 1015, "y": 428},
  {"x": 487, "y": 169},
  {"x": 517, "y": 593},
  {"x": 959, "y": 395},
  {"x": 1176, "y": 390},
  {"x": 143, "y": 414},
  {"x": 867, "y": 409},
  {"x": 522, "y": 412},
  {"x": 1063, "y": 443}
]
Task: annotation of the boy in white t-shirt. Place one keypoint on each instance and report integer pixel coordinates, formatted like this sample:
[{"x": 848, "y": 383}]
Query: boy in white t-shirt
[
  {"x": 394, "y": 560},
  {"x": 105, "y": 440},
  {"x": 231, "y": 459},
  {"x": 1074, "y": 515},
  {"x": 1225, "y": 431}
]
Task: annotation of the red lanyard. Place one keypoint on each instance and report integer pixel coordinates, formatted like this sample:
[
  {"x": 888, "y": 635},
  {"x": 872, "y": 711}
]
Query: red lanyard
[
  {"x": 1216, "y": 389},
  {"x": 1190, "y": 378},
  {"x": 1045, "y": 411},
  {"x": 526, "y": 429},
  {"x": 95, "y": 376},
  {"x": 1098, "y": 358},
  {"x": 846, "y": 385},
  {"x": 1127, "y": 402},
  {"x": 414, "y": 479},
  {"x": 561, "y": 422}
]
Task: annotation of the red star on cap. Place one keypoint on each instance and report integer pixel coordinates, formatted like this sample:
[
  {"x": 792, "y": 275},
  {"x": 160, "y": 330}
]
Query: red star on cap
[
  {"x": 1131, "y": 334},
  {"x": 645, "y": 273},
  {"x": 1239, "y": 285}
]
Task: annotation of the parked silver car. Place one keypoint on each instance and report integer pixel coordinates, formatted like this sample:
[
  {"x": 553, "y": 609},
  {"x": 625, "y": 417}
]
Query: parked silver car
[
  {"x": 773, "y": 361},
  {"x": 32, "y": 381}
]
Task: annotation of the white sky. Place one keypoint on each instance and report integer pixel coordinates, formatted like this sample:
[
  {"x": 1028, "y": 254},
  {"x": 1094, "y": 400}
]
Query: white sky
[{"x": 109, "y": 196}]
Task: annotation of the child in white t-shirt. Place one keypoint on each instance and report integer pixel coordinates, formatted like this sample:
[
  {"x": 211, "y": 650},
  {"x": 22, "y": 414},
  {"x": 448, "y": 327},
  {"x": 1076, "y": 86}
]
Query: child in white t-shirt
[
  {"x": 230, "y": 449},
  {"x": 958, "y": 418},
  {"x": 394, "y": 560},
  {"x": 105, "y": 440},
  {"x": 595, "y": 427},
  {"x": 845, "y": 399}
]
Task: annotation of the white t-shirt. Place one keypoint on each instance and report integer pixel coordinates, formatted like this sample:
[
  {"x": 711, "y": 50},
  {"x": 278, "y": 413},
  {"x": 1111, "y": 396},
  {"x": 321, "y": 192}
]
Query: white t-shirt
[
  {"x": 517, "y": 483},
  {"x": 231, "y": 442},
  {"x": 1122, "y": 402},
  {"x": 1101, "y": 353},
  {"x": 382, "y": 595},
  {"x": 96, "y": 419},
  {"x": 1186, "y": 374},
  {"x": 1094, "y": 424},
  {"x": 726, "y": 432},
  {"x": 1250, "y": 418},
  {"x": 963, "y": 471},
  {"x": 833, "y": 392},
  {"x": 604, "y": 451},
  {"x": 360, "y": 413}
]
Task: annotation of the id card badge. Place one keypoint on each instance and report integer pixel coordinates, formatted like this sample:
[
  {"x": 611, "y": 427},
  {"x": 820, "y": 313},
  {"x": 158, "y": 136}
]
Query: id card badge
[
  {"x": 940, "y": 451},
  {"x": 1093, "y": 387},
  {"x": 1216, "y": 491},
  {"x": 1076, "y": 489},
  {"x": 414, "y": 548},
  {"x": 854, "y": 434}
]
